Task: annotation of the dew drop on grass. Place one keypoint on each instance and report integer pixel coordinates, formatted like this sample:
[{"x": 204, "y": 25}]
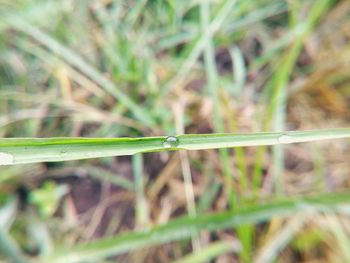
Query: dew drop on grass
[
  {"x": 6, "y": 158},
  {"x": 171, "y": 142},
  {"x": 285, "y": 138}
]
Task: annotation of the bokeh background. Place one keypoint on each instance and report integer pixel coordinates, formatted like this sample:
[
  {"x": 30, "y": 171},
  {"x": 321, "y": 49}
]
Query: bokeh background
[{"x": 115, "y": 68}]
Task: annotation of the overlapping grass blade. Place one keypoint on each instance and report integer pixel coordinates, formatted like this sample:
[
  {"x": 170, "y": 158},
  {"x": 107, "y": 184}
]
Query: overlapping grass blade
[
  {"x": 33, "y": 150},
  {"x": 210, "y": 252},
  {"x": 75, "y": 60},
  {"x": 183, "y": 228}
]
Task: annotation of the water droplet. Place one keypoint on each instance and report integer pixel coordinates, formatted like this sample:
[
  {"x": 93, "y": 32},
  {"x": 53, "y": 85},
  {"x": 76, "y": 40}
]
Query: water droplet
[
  {"x": 171, "y": 142},
  {"x": 6, "y": 158},
  {"x": 285, "y": 138}
]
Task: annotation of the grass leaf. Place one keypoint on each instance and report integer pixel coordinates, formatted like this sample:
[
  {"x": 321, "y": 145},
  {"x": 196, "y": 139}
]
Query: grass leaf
[
  {"x": 183, "y": 228},
  {"x": 32, "y": 150}
]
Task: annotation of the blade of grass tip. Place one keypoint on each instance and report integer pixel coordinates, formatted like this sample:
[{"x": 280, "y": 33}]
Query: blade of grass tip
[
  {"x": 211, "y": 191},
  {"x": 211, "y": 29},
  {"x": 33, "y": 150},
  {"x": 134, "y": 12},
  {"x": 335, "y": 225},
  {"x": 239, "y": 71},
  {"x": 108, "y": 176},
  {"x": 109, "y": 44},
  {"x": 278, "y": 242},
  {"x": 27, "y": 114},
  {"x": 242, "y": 22},
  {"x": 142, "y": 219},
  {"x": 208, "y": 199},
  {"x": 278, "y": 97},
  {"x": 181, "y": 228},
  {"x": 276, "y": 46},
  {"x": 106, "y": 21},
  {"x": 261, "y": 13},
  {"x": 75, "y": 60},
  {"x": 212, "y": 83},
  {"x": 211, "y": 252}
]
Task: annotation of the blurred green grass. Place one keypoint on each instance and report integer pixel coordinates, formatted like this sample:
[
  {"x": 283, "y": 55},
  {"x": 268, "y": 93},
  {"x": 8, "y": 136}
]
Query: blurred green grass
[{"x": 151, "y": 68}]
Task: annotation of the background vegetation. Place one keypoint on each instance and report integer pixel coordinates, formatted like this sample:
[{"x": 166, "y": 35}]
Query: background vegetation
[{"x": 149, "y": 68}]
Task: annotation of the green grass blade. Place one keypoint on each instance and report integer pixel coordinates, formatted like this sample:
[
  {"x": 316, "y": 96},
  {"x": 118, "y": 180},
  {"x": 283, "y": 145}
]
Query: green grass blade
[
  {"x": 108, "y": 176},
  {"x": 75, "y": 60},
  {"x": 276, "y": 89},
  {"x": 274, "y": 245},
  {"x": 10, "y": 249},
  {"x": 182, "y": 228},
  {"x": 200, "y": 44},
  {"x": 32, "y": 150},
  {"x": 212, "y": 84},
  {"x": 141, "y": 202},
  {"x": 212, "y": 251}
]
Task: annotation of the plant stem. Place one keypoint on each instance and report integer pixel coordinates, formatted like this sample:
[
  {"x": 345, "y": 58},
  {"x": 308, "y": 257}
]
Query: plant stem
[{"x": 32, "y": 150}]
